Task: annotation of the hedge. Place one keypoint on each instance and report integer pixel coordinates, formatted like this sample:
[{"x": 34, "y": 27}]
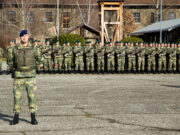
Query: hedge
[{"x": 71, "y": 37}]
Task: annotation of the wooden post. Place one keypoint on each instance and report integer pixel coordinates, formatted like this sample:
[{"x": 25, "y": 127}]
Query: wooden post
[{"x": 102, "y": 23}]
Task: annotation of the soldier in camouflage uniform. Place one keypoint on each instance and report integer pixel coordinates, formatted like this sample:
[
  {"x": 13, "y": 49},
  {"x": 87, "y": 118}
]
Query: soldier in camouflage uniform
[
  {"x": 89, "y": 55},
  {"x": 79, "y": 61},
  {"x": 58, "y": 57},
  {"x": 110, "y": 53},
  {"x": 1, "y": 56},
  {"x": 140, "y": 51},
  {"x": 178, "y": 57},
  {"x": 151, "y": 58},
  {"x": 100, "y": 52},
  {"x": 172, "y": 58},
  {"x": 9, "y": 53},
  {"x": 131, "y": 58},
  {"x": 67, "y": 53},
  {"x": 37, "y": 48},
  {"x": 161, "y": 58},
  {"x": 120, "y": 52},
  {"x": 22, "y": 60},
  {"x": 47, "y": 52}
]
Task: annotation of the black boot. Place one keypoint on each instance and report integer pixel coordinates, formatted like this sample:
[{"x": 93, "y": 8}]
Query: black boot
[
  {"x": 15, "y": 119},
  {"x": 33, "y": 119}
]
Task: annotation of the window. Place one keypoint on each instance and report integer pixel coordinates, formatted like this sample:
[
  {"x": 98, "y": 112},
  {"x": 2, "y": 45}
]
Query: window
[
  {"x": 31, "y": 16},
  {"x": 66, "y": 19},
  {"x": 48, "y": 17},
  {"x": 171, "y": 15},
  {"x": 137, "y": 17},
  {"x": 12, "y": 16}
]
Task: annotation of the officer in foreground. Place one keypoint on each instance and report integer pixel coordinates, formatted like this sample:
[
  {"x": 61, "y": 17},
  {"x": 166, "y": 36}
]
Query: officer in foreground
[{"x": 23, "y": 61}]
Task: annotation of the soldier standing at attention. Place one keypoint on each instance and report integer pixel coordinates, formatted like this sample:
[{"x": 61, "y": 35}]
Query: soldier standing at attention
[
  {"x": 178, "y": 57},
  {"x": 89, "y": 54},
  {"x": 131, "y": 58},
  {"x": 161, "y": 58},
  {"x": 23, "y": 60},
  {"x": 100, "y": 57},
  {"x": 47, "y": 52},
  {"x": 67, "y": 53},
  {"x": 120, "y": 54},
  {"x": 141, "y": 57},
  {"x": 151, "y": 58},
  {"x": 58, "y": 57},
  {"x": 9, "y": 53},
  {"x": 172, "y": 58},
  {"x": 110, "y": 53},
  {"x": 1, "y": 56},
  {"x": 79, "y": 61}
]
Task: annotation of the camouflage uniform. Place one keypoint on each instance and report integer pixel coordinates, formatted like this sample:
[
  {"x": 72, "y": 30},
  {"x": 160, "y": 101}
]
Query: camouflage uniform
[
  {"x": 172, "y": 59},
  {"x": 110, "y": 58},
  {"x": 67, "y": 53},
  {"x": 178, "y": 57},
  {"x": 89, "y": 53},
  {"x": 58, "y": 58},
  {"x": 161, "y": 59},
  {"x": 9, "y": 53},
  {"x": 131, "y": 58},
  {"x": 141, "y": 58},
  {"x": 100, "y": 58},
  {"x": 120, "y": 54},
  {"x": 24, "y": 76},
  {"x": 79, "y": 61},
  {"x": 47, "y": 64},
  {"x": 1, "y": 56},
  {"x": 151, "y": 57}
]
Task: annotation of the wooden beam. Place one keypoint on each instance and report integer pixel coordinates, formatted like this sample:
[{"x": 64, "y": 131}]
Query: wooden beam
[
  {"x": 111, "y": 8},
  {"x": 102, "y": 23},
  {"x": 111, "y": 3}
]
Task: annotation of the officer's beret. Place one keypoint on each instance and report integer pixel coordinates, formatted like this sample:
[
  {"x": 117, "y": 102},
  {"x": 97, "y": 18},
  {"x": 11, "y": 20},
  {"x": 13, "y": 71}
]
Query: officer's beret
[
  {"x": 35, "y": 40},
  {"x": 78, "y": 41},
  {"x": 98, "y": 41},
  {"x": 57, "y": 40},
  {"x": 87, "y": 42},
  {"x": 23, "y": 32}
]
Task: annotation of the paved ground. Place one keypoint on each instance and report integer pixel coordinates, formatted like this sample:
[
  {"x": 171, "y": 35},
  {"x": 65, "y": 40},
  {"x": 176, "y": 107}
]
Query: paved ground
[{"x": 97, "y": 105}]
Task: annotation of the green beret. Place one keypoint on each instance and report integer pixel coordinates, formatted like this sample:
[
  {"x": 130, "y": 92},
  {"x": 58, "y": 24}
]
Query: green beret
[
  {"x": 116, "y": 42},
  {"x": 35, "y": 40},
  {"x": 12, "y": 41},
  {"x": 67, "y": 41},
  {"x": 39, "y": 40},
  {"x": 57, "y": 40},
  {"x": 87, "y": 42},
  {"x": 78, "y": 41}
]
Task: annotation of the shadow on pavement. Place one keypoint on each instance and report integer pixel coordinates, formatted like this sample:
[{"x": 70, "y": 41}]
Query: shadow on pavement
[
  {"x": 171, "y": 86},
  {"x": 8, "y": 118}
]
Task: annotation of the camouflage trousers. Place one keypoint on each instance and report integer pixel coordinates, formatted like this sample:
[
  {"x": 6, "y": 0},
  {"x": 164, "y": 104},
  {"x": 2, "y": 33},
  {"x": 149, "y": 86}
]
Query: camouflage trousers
[
  {"x": 90, "y": 63},
  {"x": 141, "y": 63},
  {"x": 38, "y": 66},
  {"x": 30, "y": 85},
  {"x": 79, "y": 63},
  {"x": 67, "y": 64},
  {"x": 151, "y": 63},
  {"x": 110, "y": 64},
  {"x": 0, "y": 65},
  {"x": 58, "y": 63},
  {"x": 131, "y": 63},
  {"x": 172, "y": 64},
  {"x": 162, "y": 64},
  {"x": 120, "y": 63},
  {"x": 100, "y": 63},
  {"x": 47, "y": 64}
]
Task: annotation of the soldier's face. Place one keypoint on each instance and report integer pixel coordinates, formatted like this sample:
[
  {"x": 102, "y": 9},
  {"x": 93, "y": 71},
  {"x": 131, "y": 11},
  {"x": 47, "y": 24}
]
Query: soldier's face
[
  {"x": 100, "y": 44},
  {"x": 47, "y": 43},
  {"x": 11, "y": 43},
  {"x": 36, "y": 43},
  {"x": 25, "y": 38},
  {"x": 57, "y": 43}
]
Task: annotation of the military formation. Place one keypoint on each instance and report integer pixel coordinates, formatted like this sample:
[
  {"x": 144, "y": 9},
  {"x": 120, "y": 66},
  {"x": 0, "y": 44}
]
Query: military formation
[{"x": 111, "y": 57}]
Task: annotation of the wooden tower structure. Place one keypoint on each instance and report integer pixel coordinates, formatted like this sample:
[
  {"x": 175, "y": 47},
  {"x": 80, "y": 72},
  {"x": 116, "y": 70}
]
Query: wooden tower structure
[{"x": 111, "y": 16}]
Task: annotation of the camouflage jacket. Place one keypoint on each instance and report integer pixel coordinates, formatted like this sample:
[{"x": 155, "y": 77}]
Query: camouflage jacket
[{"x": 11, "y": 61}]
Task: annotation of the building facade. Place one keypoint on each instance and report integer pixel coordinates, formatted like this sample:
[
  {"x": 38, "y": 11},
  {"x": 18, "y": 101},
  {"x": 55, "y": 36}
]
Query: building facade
[{"x": 40, "y": 16}]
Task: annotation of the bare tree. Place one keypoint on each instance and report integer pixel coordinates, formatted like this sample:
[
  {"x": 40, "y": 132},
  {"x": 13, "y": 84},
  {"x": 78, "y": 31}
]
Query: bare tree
[{"x": 23, "y": 8}]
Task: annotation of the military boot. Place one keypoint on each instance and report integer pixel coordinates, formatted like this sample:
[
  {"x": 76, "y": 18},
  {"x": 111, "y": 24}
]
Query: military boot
[
  {"x": 33, "y": 119},
  {"x": 15, "y": 119}
]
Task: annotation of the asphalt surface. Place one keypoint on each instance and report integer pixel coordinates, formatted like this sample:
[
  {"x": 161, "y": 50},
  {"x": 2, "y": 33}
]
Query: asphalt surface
[{"x": 97, "y": 105}]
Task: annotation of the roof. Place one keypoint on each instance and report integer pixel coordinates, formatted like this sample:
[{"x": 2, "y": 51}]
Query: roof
[
  {"x": 168, "y": 26},
  {"x": 86, "y": 26}
]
